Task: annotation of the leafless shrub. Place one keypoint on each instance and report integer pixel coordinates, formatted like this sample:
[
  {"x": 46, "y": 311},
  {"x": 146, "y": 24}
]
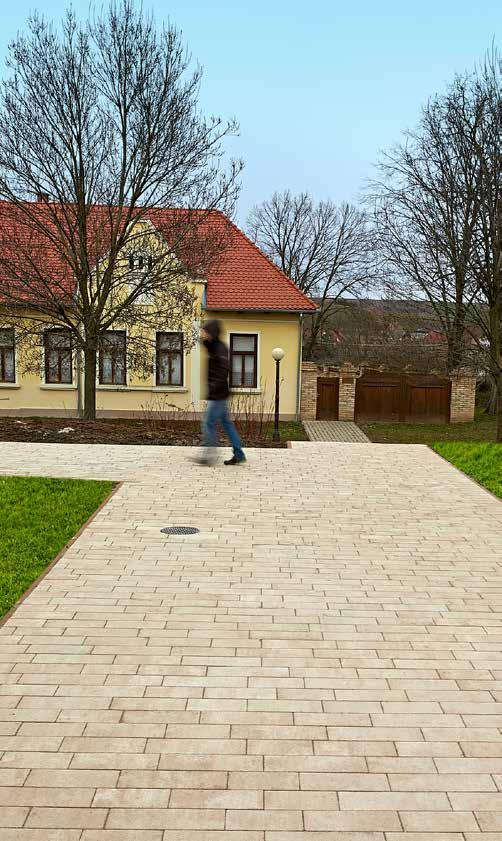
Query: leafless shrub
[
  {"x": 159, "y": 415},
  {"x": 251, "y": 413}
]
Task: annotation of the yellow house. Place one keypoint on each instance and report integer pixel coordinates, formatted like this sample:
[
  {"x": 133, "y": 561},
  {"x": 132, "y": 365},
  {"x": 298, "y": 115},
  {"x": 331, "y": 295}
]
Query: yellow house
[{"x": 259, "y": 307}]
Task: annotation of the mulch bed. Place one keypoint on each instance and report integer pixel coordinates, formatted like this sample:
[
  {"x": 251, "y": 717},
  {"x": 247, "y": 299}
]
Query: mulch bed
[{"x": 120, "y": 431}]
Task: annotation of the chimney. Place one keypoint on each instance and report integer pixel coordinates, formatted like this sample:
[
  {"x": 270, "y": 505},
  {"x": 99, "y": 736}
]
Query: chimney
[{"x": 42, "y": 197}]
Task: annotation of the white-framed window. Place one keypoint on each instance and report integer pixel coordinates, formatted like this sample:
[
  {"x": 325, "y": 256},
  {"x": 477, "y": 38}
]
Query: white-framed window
[
  {"x": 169, "y": 359},
  {"x": 243, "y": 360},
  {"x": 58, "y": 356},
  {"x": 140, "y": 267},
  {"x": 112, "y": 358},
  {"x": 7, "y": 355},
  {"x": 140, "y": 262}
]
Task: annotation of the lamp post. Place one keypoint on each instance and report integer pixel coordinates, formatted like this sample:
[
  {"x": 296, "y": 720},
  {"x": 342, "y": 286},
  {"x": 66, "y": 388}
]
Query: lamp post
[{"x": 277, "y": 354}]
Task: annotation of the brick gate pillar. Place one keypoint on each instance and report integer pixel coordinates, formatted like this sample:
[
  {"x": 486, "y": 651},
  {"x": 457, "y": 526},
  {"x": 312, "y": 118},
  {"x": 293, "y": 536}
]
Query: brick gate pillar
[
  {"x": 463, "y": 396},
  {"x": 308, "y": 403},
  {"x": 347, "y": 395}
]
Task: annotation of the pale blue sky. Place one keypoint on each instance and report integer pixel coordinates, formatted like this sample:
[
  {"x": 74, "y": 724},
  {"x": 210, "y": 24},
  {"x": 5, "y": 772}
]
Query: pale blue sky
[{"x": 318, "y": 87}]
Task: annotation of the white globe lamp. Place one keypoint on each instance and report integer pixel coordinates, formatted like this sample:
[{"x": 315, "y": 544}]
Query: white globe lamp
[{"x": 277, "y": 354}]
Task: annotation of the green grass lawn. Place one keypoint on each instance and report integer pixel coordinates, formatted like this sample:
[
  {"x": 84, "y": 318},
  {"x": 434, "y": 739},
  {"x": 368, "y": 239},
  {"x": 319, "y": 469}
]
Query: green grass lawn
[
  {"x": 480, "y": 460},
  {"x": 290, "y": 431},
  {"x": 481, "y": 429},
  {"x": 37, "y": 518}
]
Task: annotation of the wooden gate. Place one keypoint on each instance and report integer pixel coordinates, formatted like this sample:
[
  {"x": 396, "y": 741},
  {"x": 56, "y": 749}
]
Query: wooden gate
[
  {"x": 327, "y": 398},
  {"x": 402, "y": 398}
]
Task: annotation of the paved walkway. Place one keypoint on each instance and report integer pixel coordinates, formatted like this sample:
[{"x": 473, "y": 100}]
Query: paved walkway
[
  {"x": 340, "y": 431},
  {"x": 323, "y": 662}
]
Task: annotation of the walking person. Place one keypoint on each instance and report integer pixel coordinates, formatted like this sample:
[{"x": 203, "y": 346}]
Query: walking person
[{"x": 217, "y": 396}]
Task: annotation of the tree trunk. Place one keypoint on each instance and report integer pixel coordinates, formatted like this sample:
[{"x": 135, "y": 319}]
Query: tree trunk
[
  {"x": 456, "y": 340},
  {"x": 90, "y": 359},
  {"x": 314, "y": 336},
  {"x": 499, "y": 407},
  {"x": 492, "y": 401},
  {"x": 496, "y": 357}
]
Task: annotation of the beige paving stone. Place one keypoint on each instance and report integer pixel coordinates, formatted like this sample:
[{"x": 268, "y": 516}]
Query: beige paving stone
[
  {"x": 111, "y": 761},
  {"x": 209, "y": 762},
  {"x": 132, "y": 798},
  {"x": 356, "y": 748},
  {"x": 231, "y": 746},
  {"x": 434, "y": 749},
  {"x": 12, "y": 816},
  {"x": 489, "y": 821},
  {"x": 41, "y": 834},
  {"x": 367, "y": 820},
  {"x": 72, "y": 779},
  {"x": 402, "y": 765},
  {"x": 343, "y": 782},
  {"x": 264, "y": 819},
  {"x": 316, "y": 764},
  {"x": 48, "y": 796},
  {"x": 399, "y": 801},
  {"x": 174, "y": 779},
  {"x": 98, "y": 745},
  {"x": 185, "y": 819},
  {"x": 122, "y": 835},
  {"x": 438, "y": 822},
  {"x": 305, "y": 800},
  {"x": 211, "y": 835},
  {"x": 271, "y": 780},
  {"x": 216, "y": 799},
  {"x": 327, "y": 836},
  {"x": 481, "y": 749},
  {"x": 482, "y": 802},
  {"x": 34, "y": 759},
  {"x": 442, "y": 782},
  {"x": 13, "y": 776},
  {"x": 282, "y": 747},
  {"x": 68, "y": 818},
  {"x": 429, "y": 836}
]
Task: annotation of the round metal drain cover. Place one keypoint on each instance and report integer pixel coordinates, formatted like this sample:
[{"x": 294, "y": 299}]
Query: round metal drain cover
[{"x": 180, "y": 530}]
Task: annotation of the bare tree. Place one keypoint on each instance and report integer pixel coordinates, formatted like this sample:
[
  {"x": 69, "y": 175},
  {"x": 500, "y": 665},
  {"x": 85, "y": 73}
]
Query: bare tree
[
  {"x": 486, "y": 260},
  {"x": 427, "y": 211},
  {"x": 326, "y": 250},
  {"x": 99, "y": 122},
  {"x": 438, "y": 214}
]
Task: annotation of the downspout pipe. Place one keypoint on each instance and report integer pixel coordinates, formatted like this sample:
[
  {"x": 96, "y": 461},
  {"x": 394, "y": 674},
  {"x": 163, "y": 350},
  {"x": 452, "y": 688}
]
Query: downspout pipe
[{"x": 299, "y": 377}]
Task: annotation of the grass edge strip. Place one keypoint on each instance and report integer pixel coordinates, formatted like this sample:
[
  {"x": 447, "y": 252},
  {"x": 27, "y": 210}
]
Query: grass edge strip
[{"x": 34, "y": 584}]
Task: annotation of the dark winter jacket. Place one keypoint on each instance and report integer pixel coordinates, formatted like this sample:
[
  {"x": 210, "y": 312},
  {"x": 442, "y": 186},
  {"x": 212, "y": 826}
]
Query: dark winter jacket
[{"x": 218, "y": 365}]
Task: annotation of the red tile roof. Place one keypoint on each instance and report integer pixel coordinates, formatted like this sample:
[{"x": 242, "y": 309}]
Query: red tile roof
[
  {"x": 247, "y": 280},
  {"x": 243, "y": 278}
]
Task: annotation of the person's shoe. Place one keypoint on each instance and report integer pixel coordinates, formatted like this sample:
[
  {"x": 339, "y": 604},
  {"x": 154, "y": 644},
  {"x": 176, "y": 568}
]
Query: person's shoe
[
  {"x": 202, "y": 462},
  {"x": 235, "y": 460}
]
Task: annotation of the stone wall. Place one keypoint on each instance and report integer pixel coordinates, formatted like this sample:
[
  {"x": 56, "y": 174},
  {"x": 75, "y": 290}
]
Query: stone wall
[{"x": 463, "y": 396}]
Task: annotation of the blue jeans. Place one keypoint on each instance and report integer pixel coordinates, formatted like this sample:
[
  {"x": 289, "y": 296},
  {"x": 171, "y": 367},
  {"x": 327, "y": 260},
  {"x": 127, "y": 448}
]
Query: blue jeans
[{"x": 217, "y": 413}]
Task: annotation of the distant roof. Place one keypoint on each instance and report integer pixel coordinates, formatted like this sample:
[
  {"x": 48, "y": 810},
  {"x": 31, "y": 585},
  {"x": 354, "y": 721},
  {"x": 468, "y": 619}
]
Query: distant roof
[
  {"x": 242, "y": 278},
  {"x": 387, "y": 305}
]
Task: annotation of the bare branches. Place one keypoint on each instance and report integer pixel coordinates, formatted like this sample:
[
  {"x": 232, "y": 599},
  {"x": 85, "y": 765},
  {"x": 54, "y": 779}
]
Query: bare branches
[
  {"x": 436, "y": 201},
  {"x": 326, "y": 250},
  {"x": 100, "y": 121}
]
